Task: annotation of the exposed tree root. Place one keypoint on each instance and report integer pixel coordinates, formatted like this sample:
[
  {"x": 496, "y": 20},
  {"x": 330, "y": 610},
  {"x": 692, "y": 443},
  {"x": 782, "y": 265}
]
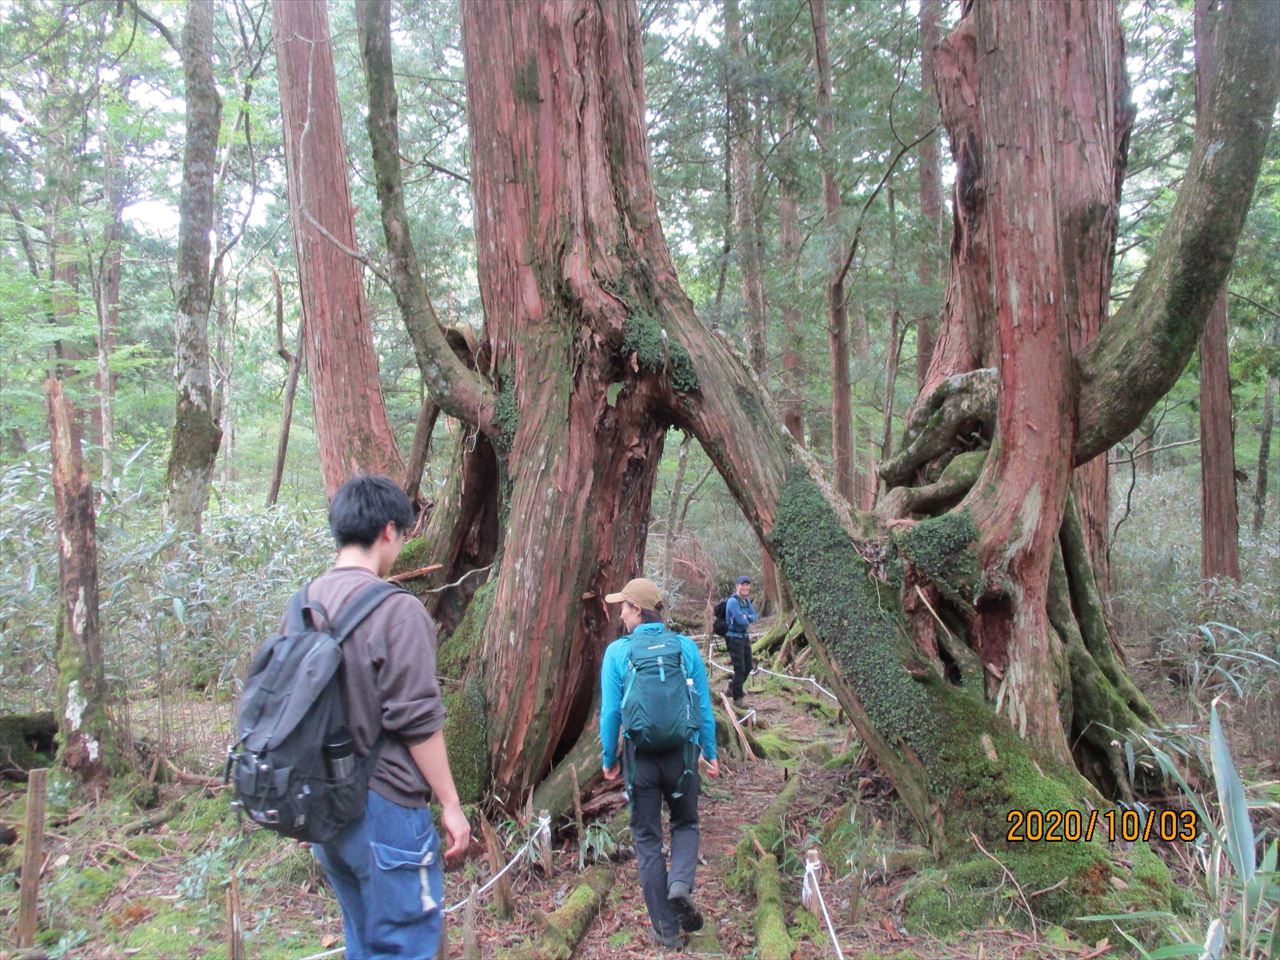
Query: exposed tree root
[{"x": 957, "y": 415}]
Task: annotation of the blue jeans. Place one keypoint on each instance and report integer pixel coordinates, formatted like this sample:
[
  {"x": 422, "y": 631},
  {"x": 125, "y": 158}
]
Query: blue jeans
[{"x": 385, "y": 870}]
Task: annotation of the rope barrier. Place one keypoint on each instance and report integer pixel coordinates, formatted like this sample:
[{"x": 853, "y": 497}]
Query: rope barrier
[
  {"x": 812, "y": 680},
  {"x": 543, "y": 829},
  {"x": 781, "y": 676},
  {"x": 811, "y": 889}
]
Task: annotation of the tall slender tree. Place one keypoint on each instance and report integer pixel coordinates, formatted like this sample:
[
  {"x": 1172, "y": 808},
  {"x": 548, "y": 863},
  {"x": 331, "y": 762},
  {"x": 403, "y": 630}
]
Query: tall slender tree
[
  {"x": 196, "y": 435},
  {"x": 1219, "y": 515},
  {"x": 837, "y": 310},
  {"x": 929, "y": 171},
  {"x": 352, "y": 425}
]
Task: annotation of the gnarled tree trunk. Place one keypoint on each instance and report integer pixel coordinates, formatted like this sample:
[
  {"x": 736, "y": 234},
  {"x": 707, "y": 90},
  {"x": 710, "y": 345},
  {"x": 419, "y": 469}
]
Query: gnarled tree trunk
[{"x": 596, "y": 350}]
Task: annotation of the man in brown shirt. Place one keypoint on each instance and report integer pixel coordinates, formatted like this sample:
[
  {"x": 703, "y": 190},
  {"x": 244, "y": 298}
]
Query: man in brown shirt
[{"x": 385, "y": 866}]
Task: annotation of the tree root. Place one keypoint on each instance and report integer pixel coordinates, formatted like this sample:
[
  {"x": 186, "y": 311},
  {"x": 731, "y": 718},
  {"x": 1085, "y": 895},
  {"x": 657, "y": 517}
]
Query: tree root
[
  {"x": 957, "y": 415},
  {"x": 567, "y": 925},
  {"x": 949, "y": 489}
]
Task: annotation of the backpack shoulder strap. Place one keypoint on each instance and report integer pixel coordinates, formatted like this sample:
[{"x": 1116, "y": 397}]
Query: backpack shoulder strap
[
  {"x": 365, "y": 602},
  {"x": 295, "y": 616}
]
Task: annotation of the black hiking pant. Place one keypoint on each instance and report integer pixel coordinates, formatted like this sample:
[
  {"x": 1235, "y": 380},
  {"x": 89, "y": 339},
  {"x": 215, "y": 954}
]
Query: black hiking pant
[
  {"x": 658, "y": 777},
  {"x": 740, "y": 657}
]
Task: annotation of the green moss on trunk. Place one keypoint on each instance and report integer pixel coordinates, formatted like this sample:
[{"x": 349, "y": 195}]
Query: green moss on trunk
[
  {"x": 969, "y": 763},
  {"x": 465, "y": 736}
]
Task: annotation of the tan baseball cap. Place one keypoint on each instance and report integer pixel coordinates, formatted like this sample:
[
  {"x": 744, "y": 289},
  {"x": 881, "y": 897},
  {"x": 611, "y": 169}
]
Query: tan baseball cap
[{"x": 643, "y": 593}]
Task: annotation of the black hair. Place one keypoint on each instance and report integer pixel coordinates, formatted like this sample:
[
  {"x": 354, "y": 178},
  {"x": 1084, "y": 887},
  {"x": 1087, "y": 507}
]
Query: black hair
[
  {"x": 362, "y": 508},
  {"x": 650, "y": 616}
]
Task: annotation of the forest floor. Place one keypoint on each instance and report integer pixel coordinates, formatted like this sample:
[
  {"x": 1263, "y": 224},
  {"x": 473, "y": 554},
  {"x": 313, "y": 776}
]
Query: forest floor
[{"x": 123, "y": 882}]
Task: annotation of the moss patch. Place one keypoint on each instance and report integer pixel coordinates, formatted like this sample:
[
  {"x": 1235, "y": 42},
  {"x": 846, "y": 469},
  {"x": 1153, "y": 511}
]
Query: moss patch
[
  {"x": 506, "y": 415},
  {"x": 970, "y": 894},
  {"x": 466, "y": 734},
  {"x": 455, "y": 652},
  {"x": 942, "y": 549},
  {"x": 644, "y": 337},
  {"x": 858, "y": 623}
]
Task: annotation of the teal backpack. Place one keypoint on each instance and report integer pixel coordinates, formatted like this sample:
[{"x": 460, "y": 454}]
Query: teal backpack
[{"x": 659, "y": 703}]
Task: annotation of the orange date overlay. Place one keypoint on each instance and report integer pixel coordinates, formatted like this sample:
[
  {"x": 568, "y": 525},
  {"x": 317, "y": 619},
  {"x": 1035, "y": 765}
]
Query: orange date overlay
[{"x": 1074, "y": 826}]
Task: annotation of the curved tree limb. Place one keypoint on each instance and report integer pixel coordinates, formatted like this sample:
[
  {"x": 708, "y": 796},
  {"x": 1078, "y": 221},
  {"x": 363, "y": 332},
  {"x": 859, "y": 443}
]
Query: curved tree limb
[
  {"x": 1139, "y": 355},
  {"x": 460, "y": 392}
]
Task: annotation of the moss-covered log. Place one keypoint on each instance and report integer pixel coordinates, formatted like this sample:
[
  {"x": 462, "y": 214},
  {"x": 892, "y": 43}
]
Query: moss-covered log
[
  {"x": 566, "y": 925},
  {"x": 772, "y": 940},
  {"x": 766, "y": 833}
]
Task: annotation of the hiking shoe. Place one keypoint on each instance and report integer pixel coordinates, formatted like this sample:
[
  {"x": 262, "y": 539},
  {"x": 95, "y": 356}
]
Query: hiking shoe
[
  {"x": 689, "y": 916},
  {"x": 673, "y": 942}
]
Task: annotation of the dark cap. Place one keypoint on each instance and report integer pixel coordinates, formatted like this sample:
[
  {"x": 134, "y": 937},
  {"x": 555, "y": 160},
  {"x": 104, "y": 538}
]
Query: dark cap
[{"x": 744, "y": 580}]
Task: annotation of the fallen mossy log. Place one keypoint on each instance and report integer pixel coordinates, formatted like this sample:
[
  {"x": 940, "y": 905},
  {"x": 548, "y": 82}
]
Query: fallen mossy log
[
  {"x": 566, "y": 925},
  {"x": 773, "y": 942},
  {"x": 764, "y": 835},
  {"x": 772, "y": 638},
  {"x": 555, "y": 792}
]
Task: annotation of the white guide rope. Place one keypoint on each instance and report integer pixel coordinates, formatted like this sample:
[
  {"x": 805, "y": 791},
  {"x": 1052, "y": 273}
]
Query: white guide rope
[
  {"x": 810, "y": 890},
  {"x": 781, "y": 676},
  {"x": 542, "y": 830}
]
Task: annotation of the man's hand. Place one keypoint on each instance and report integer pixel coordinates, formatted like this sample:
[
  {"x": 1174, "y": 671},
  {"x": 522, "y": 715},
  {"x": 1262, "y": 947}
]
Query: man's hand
[
  {"x": 612, "y": 773},
  {"x": 713, "y": 767},
  {"x": 458, "y": 831}
]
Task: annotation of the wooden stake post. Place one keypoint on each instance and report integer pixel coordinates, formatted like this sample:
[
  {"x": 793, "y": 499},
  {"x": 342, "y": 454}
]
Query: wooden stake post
[
  {"x": 470, "y": 945},
  {"x": 501, "y": 889},
  {"x": 733, "y": 719},
  {"x": 235, "y": 927},
  {"x": 577, "y": 816},
  {"x": 32, "y": 857},
  {"x": 813, "y": 866},
  {"x": 544, "y": 842}
]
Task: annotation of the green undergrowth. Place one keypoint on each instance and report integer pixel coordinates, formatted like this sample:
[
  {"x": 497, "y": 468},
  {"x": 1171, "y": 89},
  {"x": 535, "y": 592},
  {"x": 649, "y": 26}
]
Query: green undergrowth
[{"x": 118, "y": 885}]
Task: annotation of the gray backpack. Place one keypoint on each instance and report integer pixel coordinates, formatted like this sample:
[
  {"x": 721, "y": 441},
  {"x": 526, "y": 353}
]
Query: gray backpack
[{"x": 293, "y": 766}]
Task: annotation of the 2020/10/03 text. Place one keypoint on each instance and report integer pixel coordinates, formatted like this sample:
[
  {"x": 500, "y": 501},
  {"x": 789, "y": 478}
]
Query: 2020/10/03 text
[{"x": 1074, "y": 826}]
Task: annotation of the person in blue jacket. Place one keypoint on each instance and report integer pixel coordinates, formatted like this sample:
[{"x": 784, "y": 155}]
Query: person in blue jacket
[
  {"x": 655, "y": 777},
  {"x": 739, "y": 614}
]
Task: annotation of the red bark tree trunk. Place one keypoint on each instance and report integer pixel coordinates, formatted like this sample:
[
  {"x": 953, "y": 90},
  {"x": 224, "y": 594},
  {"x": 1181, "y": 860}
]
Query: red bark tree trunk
[
  {"x": 930, "y": 267},
  {"x": 1219, "y": 515},
  {"x": 1051, "y": 165},
  {"x": 352, "y": 427},
  {"x": 560, "y": 168}
]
